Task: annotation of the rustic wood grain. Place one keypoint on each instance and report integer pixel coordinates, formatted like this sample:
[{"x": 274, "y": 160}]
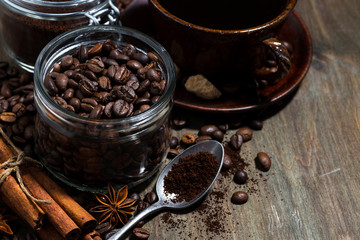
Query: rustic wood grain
[{"x": 312, "y": 190}]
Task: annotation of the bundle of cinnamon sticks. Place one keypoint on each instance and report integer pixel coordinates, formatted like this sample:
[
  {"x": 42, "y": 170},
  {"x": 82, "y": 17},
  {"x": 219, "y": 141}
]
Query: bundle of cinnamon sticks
[{"x": 62, "y": 219}]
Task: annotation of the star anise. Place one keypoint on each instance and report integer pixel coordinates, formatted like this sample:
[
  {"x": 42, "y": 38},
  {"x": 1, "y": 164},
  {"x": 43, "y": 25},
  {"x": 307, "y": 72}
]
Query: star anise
[
  {"x": 114, "y": 207},
  {"x": 4, "y": 228}
]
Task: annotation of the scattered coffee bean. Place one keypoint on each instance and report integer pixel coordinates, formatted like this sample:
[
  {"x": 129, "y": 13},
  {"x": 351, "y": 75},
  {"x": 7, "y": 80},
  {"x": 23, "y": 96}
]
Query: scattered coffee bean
[
  {"x": 174, "y": 142},
  {"x": 208, "y": 130},
  {"x": 179, "y": 122},
  {"x": 239, "y": 197},
  {"x": 227, "y": 164},
  {"x": 136, "y": 197},
  {"x": 140, "y": 224},
  {"x": 246, "y": 133},
  {"x": 256, "y": 124},
  {"x": 240, "y": 177},
  {"x": 223, "y": 127},
  {"x": 172, "y": 153},
  {"x": 104, "y": 227},
  {"x": 151, "y": 197},
  {"x": 142, "y": 205},
  {"x": 141, "y": 233},
  {"x": 188, "y": 139},
  {"x": 218, "y": 135},
  {"x": 263, "y": 161},
  {"x": 236, "y": 141}
]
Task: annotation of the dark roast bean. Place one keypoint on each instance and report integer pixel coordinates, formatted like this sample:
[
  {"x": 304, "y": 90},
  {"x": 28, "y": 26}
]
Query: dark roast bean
[
  {"x": 140, "y": 224},
  {"x": 263, "y": 161},
  {"x": 120, "y": 108},
  {"x": 174, "y": 142},
  {"x": 152, "y": 56},
  {"x": 256, "y": 124},
  {"x": 75, "y": 102},
  {"x": 108, "y": 109},
  {"x": 239, "y": 197},
  {"x": 19, "y": 109},
  {"x": 155, "y": 99},
  {"x": 157, "y": 88},
  {"x": 88, "y": 87},
  {"x": 96, "y": 49},
  {"x": 240, "y": 177},
  {"x": 151, "y": 197},
  {"x": 129, "y": 50},
  {"x": 141, "y": 57},
  {"x": 236, "y": 141},
  {"x": 12, "y": 71},
  {"x": 69, "y": 93},
  {"x": 96, "y": 113},
  {"x": 143, "y": 86},
  {"x": 6, "y": 90},
  {"x": 246, "y": 133},
  {"x": 104, "y": 83},
  {"x": 223, "y": 127},
  {"x": 134, "y": 65},
  {"x": 208, "y": 130},
  {"x": 4, "y": 105},
  {"x": 135, "y": 196},
  {"x": 90, "y": 75},
  {"x": 142, "y": 205},
  {"x": 104, "y": 227},
  {"x": 66, "y": 62},
  {"x": 109, "y": 45},
  {"x": 188, "y": 139},
  {"x": 172, "y": 153},
  {"x": 95, "y": 65},
  {"x": 83, "y": 53},
  {"x": 141, "y": 233},
  {"x": 153, "y": 75},
  {"x": 179, "y": 121},
  {"x": 227, "y": 164},
  {"x": 218, "y": 135}
]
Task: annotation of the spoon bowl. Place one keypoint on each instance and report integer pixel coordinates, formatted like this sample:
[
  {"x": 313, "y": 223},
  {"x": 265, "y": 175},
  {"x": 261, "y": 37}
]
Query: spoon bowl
[{"x": 165, "y": 199}]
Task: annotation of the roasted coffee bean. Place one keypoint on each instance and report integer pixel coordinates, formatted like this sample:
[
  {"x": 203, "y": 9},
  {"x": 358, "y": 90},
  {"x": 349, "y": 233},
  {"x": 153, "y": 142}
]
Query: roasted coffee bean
[
  {"x": 172, "y": 153},
  {"x": 143, "y": 86},
  {"x": 129, "y": 49},
  {"x": 174, "y": 142},
  {"x": 19, "y": 109},
  {"x": 141, "y": 233},
  {"x": 8, "y": 117},
  {"x": 144, "y": 107},
  {"x": 202, "y": 138},
  {"x": 227, "y": 164},
  {"x": 157, "y": 88},
  {"x": 108, "y": 109},
  {"x": 263, "y": 161},
  {"x": 88, "y": 104},
  {"x": 151, "y": 197},
  {"x": 141, "y": 57},
  {"x": 66, "y": 62},
  {"x": 95, "y": 65},
  {"x": 109, "y": 45},
  {"x": 136, "y": 197},
  {"x": 153, "y": 75},
  {"x": 76, "y": 103},
  {"x": 69, "y": 93},
  {"x": 223, "y": 127},
  {"x": 96, "y": 49},
  {"x": 236, "y": 141},
  {"x": 12, "y": 71},
  {"x": 240, "y": 177},
  {"x": 155, "y": 99},
  {"x": 6, "y": 90},
  {"x": 152, "y": 56},
  {"x": 104, "y": 83},
  {"x": 256, "y": 124},
  {"x": 208, "y": 130},
  {"x": 4, "y": 105},
  {"x": 246, "y": 133},
  {"x": 97, "y": 112},
  {"x": 142, "y": 205},
  {"x": 133, "y": 83},
  {"x": 104, "y": 227},
  {"x": 134, "y": 65},
  {"x": 179, "y": 121},
  {"x": 239, "y": 197},
  {"x": 188, "y": 139},
  {"x": 121, "y": 108},
  {"x": 218, "y": 135},
  {"x": 88, "y": 87},
  {"x": 83, "y": 53},
  {"x": 141, "y": 101}
]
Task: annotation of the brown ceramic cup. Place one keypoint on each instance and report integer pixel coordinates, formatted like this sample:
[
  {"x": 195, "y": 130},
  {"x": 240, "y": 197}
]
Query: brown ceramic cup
[{"x": 210, "y": 37}]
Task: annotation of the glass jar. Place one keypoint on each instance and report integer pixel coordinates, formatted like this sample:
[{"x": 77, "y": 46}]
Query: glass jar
[
  {"x": 28, "y": 25},
  {"x": 89, "y": 153}
]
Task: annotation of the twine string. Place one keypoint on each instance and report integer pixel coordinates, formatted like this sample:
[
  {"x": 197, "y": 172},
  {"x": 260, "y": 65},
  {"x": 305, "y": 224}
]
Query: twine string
[{"x": 13, "y": 165}]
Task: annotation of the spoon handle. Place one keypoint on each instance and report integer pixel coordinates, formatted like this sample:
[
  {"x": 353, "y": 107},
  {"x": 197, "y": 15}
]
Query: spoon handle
[{"x": 147, "y": 211}]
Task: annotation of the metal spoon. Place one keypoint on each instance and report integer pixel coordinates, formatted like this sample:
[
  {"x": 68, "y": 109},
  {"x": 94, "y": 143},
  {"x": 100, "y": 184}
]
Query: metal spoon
[{"x": 164, "y": 201}]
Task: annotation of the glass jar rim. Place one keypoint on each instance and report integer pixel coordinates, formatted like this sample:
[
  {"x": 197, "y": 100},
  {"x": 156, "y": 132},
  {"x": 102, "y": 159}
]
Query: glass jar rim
[
  {"x": 32, "y": 8},
  {"x": 42, "y": 62}
]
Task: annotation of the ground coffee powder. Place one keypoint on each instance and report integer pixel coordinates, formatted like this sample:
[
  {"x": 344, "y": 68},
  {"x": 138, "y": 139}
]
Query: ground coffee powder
[{"x": 191, "y": 175}]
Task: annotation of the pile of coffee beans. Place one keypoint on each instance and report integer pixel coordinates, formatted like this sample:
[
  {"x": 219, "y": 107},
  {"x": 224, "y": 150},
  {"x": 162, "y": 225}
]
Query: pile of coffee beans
[
  {"x": 105, "y": 81},
  {"x": 17, "y": 109}
]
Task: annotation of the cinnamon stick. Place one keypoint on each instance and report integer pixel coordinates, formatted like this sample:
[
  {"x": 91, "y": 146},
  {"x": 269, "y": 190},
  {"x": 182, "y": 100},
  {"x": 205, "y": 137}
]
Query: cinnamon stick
[
  {"x": 78, "y": 214},
  {"x": 47, "y": 231},
  {"x": 14, "y": 197},
  {"x": 56, "y": 215}
]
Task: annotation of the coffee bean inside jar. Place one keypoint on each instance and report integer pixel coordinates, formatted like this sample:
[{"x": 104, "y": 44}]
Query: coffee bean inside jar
[{"x": 103, "y": 106}]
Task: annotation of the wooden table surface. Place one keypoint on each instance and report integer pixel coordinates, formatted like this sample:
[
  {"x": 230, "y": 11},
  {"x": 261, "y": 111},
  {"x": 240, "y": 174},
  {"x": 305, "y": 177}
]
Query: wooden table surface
[
  {"x": 312, "y": 190},
  {"x": 313, "y": 186}
]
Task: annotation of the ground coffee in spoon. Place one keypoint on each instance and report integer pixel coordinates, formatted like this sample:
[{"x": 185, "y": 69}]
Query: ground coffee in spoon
[{"x": 191, "y": 175}]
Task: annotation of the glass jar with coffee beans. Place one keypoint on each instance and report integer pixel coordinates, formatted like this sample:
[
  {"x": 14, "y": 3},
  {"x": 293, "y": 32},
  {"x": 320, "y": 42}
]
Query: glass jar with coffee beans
[
  {"x": 103, "y": 94},
  {"x": 28, "y": 25}
]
